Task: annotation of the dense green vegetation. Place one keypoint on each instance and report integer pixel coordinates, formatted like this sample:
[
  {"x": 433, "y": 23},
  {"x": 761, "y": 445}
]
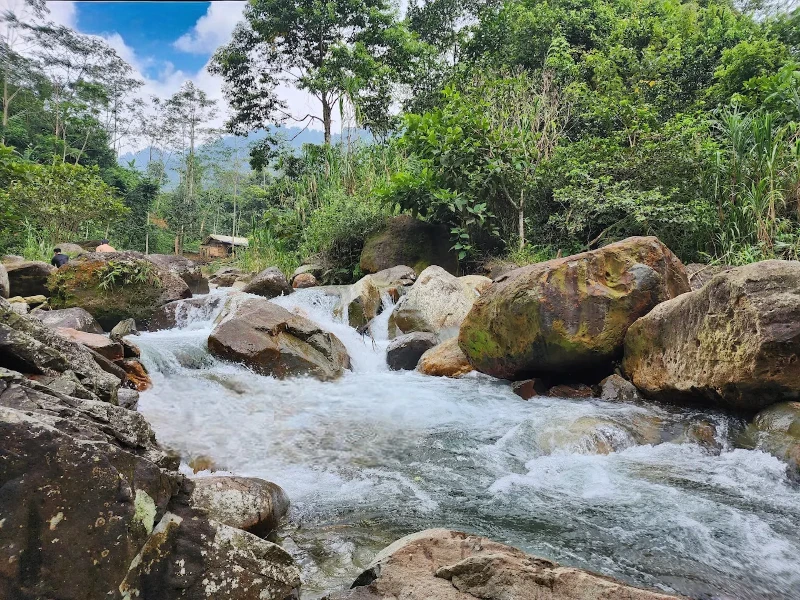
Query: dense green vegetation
[{"x": 528, "y": 127}]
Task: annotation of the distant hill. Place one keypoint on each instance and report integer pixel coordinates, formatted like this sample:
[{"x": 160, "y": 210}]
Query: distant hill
[{"x": 295, "y": 136}]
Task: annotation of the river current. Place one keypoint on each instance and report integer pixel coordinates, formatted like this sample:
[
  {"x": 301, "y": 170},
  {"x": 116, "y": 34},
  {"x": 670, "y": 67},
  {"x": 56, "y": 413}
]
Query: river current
[{"x": 379, "y": 454}]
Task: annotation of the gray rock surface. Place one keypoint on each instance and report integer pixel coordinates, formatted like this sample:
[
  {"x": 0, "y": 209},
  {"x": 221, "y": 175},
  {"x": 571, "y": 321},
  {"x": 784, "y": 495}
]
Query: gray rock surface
[
  {"x": 405, "y": 351},
  {"x": 74, "y": 318}
]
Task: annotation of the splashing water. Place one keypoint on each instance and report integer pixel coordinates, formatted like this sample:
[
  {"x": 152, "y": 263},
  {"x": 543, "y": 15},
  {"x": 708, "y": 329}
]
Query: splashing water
[{"x": 378, "y": 454}]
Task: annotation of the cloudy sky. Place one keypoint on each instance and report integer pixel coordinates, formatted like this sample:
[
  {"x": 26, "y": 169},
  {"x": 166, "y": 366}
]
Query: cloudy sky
[{"x": 167, "y": 43}]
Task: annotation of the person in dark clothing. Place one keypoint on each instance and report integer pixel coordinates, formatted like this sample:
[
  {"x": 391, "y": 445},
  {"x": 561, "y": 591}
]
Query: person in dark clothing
[{"x": 59, "y": 260}]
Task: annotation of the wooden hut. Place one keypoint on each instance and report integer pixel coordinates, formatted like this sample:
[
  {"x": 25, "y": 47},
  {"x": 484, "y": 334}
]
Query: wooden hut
[{"x": 220, "y": 246}]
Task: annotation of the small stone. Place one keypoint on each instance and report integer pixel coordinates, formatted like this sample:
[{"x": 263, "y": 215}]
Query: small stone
[
  {"x": 136, "y": 374},
  {"x": 304, "y": 280},
  {"x": 616, "y": 388},
  {"x": 99, "y": 343},
  {"x": 123, "y": 328},
  {"x": 570, "y": 390},
  {"x": 529, "y": 388}
]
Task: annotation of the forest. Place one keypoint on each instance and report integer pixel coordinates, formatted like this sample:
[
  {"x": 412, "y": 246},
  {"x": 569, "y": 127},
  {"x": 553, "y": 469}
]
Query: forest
[{"x": 529, "y": 128}]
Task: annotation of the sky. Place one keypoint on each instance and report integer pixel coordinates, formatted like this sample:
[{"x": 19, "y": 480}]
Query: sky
[{"x": 167, "y": 43}]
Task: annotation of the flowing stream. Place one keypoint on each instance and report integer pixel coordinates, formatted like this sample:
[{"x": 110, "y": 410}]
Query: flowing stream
[{"x": 379, "y": 454}]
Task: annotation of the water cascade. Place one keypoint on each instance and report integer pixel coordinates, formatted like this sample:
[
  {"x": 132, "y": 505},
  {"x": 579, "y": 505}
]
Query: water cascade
[{"x": 622, "y": 489}]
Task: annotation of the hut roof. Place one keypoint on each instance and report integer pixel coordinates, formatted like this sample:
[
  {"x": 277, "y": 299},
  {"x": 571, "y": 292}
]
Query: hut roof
[{"x": 226, "y": 239}]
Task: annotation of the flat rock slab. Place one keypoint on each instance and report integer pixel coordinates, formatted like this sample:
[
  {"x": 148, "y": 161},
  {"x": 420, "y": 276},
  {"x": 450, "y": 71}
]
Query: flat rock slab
[
  {"x": 104, "y": 346},
  {"x": 72, "y": 318},
  {"x": 450, "y": 565}
]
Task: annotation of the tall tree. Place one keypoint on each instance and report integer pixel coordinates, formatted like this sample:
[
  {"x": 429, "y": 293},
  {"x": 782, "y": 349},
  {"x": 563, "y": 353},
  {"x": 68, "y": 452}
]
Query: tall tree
[{"x": 334, "y": 50}]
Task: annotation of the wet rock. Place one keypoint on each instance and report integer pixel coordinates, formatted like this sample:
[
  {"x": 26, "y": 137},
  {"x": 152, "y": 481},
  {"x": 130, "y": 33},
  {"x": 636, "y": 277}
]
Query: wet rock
[
  {"x": 99, "y": 343},
  {"x": 62, "y": 538},
  {"x": 735, "y": 343},
  {"x": 570, "y": 390},
  {"x": 128, "y": 398},
  {"x": 178, "y": 313},
  {"x": 445, "y": 360},
  {"x": 123, "y": 328},
  {"x": 404, "y": 352},
  {"x": 269, "y": 283},
  {"x": 360, "y": 301},
  {"x": 529, "y": 388},
  {"x": 303, "y": 281},
  {"x": 193, "y": 558},
  {"x": 273, "y": 341},
  {"x": 248, "y": 503},
  {"x": 600, "y": 435},
  {"x": 28, "y": 278},
  {"x": 113, "y": 286},
  {"x": 407, "y": 241},
  {"x": 73, "y": 318},
  {"x": 437, "y": 302},
  {"x": 225, "y": 276},
  {"x": 616, "y": 388},
  {"x": 777, "y": 430},
  {"x": 4, "y": 283},
  {"x": 136, "y": 374},
  {"x": 450, "y": 565},
  {"x": 186, "y": 269},
  {"x": 202, "y": 463},
  {"x": 399, "y": 276},
  {"x": 569, "y": 313},
  {"x": 28, "y": 346},
  {"x": 129, "y": 349}
]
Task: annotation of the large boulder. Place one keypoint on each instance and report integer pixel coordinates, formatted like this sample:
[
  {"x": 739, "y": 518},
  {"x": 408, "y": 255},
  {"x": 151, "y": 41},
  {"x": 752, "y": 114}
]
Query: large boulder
[
  {"x": 28, "y": 346},
  {"x": 407, "y": 241},
  {"x": 101, "y": 344},
  {"x": 436, "y": 303},
  {"x": 194, "y": 558},
  {"x": 186, "y": 269},
  {"x": 269, "y": 283},
  {"x": 71, "y": 250},
  {"x": 225, "y": 277},
  {"x": 273, "y": 341},
  {"x": 248, "y": 503},
  {"x": 734, "y": 343},
  {"x": 445, "y": 360},
  {"x": 570, "y": 314},
  {"x": 4, "y": 283},
  {"x": 74, "y": 318},
  {"x": 180, "y": 312},
  {"x": 404, "y": 352},
  {"x": 700, "y": 274},
  {"x": 360, "y": 302},
  {"x": 450, "y": 565},
  {"x": 28, "y": 278},
  {"x": 113, "y": 286},
  {"x": 82, "y": 484}
]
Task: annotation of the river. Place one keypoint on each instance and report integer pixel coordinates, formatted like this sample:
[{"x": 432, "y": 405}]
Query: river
[{"x": 379, "y": 454}]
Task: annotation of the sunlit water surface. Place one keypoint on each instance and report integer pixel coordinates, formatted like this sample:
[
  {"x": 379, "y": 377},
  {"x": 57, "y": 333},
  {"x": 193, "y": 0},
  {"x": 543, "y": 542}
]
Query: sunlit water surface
[{"x": 379, "y": 454}]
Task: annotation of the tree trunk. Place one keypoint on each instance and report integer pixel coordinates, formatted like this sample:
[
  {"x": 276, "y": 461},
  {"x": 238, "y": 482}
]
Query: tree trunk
[
  {"x": 326, "y": 120},
  {"x": 521, "y": 223}
]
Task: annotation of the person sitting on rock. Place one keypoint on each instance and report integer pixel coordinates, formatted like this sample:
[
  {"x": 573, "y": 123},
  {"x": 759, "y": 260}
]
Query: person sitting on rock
[
  {"x": 58, "y": 260},
  {"x": 105, "y": 247}
]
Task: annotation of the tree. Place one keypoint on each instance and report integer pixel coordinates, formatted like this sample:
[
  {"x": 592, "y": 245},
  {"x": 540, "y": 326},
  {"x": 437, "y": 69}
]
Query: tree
[{"x": 342, "y": 49}]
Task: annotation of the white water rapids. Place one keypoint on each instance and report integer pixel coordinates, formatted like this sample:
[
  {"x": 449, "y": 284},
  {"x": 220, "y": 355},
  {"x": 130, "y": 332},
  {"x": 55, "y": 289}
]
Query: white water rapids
[{"x": 378, "y": 454}]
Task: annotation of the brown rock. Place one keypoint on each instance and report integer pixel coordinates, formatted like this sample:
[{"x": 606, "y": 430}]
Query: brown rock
[
  {"x": 529, "y": 388},
  {"x": 569, "y": 313},
  {"x": 449, "y": 565},
  {"x": 136, "y": 374},
  {"x": 269, "y": 283},
  {"x": 99, "y": 343},
  {"x": 445, "y": 360},
  {"x": 700, "y": 274},
  {"x": 273, "y": 341},
  {"x": 186, "y": 269},
  {"x": 735, "y": 343},
  {"x": 570, "y": 390},
  {"x": 304, "y": 280},
  {"x": 225, "y": 276}
]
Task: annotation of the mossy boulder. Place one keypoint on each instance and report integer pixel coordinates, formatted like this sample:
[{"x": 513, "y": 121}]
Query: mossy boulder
[
  {"x": 408, "y": 241},
  {"x": 570, "y": 314},
  {"x": 113, "y": 286},
  {"x": 734, "y": 343}
]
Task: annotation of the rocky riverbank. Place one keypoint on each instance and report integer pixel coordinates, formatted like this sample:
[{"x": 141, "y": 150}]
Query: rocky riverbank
[{"x": 621, "y": 323}]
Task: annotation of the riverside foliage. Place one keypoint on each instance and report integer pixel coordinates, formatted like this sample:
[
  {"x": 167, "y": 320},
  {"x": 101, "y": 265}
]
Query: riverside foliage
[{"x": 527, "y": 127}]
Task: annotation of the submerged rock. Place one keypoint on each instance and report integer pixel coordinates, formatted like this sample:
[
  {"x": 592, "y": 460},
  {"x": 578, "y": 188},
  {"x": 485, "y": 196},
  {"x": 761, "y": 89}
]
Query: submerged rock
[
  {"x": 269, "y": 283},
  {"x": 114, "y": 286},
  {"x": 273, "y": 341},
  {"x": 735, "y": 343},
  {"x": 449, "y": 565},
  {"x": 437, "y": 302},
  {"x": 570, "y": 313},
  {"x": 407, "y": 241},
  {"x": 176, "y": 314},
  {"x": 74, "y": 318},
  {"x": 445, "y": 360},
  {"x": 600, "y": 435},
  {"x": 186, "y": 269},
  {"x": 404, "y": 352},
  {"x": 777, "y": 430},
  {"x": 28, "y": 278},
  {"x": 570, "y": 390},
  {"x": 248, "y": 503}
]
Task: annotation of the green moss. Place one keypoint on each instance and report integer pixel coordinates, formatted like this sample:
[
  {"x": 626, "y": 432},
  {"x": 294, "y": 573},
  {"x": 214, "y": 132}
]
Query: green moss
[{"x": 144, "y": 510}]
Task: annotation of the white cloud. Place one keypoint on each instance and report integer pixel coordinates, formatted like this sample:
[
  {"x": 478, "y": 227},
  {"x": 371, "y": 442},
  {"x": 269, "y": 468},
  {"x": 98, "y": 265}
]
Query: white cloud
[
  {"x": 212, "y": 29},
  {"x": 63, "y": 13}
]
